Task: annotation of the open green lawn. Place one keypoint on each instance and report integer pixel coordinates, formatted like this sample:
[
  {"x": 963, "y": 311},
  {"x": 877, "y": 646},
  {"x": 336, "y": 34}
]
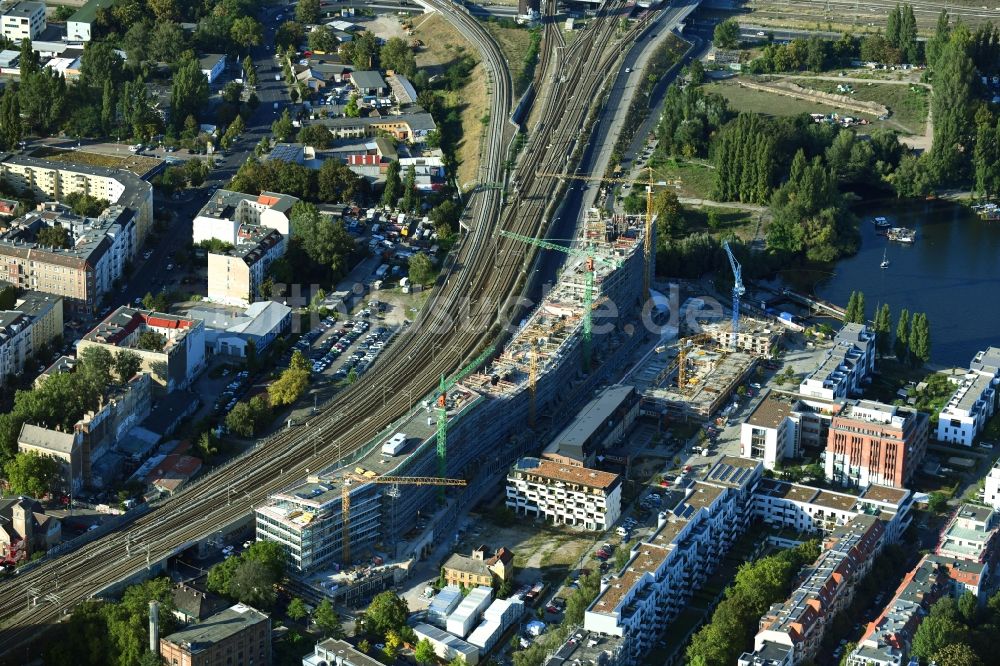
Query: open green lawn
[
  {"x": 758, "y": 101},
  {"x": 696, "y": 177},
  {"x": 907, "y": 104}
]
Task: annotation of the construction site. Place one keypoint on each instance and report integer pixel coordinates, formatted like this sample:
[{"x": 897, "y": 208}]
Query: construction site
[{"x": 403, "y": 493}]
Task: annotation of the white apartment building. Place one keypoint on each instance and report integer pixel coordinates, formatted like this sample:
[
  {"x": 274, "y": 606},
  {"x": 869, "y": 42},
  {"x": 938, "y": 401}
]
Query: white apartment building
[
  {"x": 227, "y": 211},
  {"x": 811, "y": 510},
  {"x": 974, "y": 400},
  {"x": 635, "y": 605},
  {"x": 791, "y": 631},
  {"x": 991, "y": 488},
  {"x": 970, "y": 535},
  {"x": 564, "y": 494},
  {"x": 783, "y": 423},
  {"x": 235, "y": 276},
  {"x": 25, "y": 20},
  {"x": 846, "y": 366}
]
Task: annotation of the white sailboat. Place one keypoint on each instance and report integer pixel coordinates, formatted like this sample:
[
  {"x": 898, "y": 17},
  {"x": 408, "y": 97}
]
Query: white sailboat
[{"x": 885, "y": 260}]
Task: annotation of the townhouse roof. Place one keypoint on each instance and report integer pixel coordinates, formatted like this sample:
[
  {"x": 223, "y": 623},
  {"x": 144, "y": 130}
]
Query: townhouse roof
[
  {"x": 879, "y": 493},
  {"x": 46, "y": 439},
  {"x": 467, "y": 564},
  {"x": 832, "y": 500},
  {"x": 554, "y": 471}
]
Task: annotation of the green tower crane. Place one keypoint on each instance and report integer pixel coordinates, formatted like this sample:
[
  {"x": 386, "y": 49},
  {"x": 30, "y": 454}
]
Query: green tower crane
[
  {"x": 589, "y": 255},
  {"x": 441, "y": 402}
]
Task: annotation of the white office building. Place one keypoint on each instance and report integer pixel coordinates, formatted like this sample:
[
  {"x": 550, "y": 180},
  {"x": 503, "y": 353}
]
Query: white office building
[
  {"x": 846, "y": 366},
  {"x": 24, "y": 20},
  {"x": 564, "y": 494},
  {"x": 974, "y": 400}
]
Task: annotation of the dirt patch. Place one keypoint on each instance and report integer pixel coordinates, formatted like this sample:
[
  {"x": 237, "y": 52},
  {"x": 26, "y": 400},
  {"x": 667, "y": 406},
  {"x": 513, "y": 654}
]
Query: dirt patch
[
  {"x": 386, "y": 26},
  {"x": 137, "y": 164},
  {"x": 442, "y": 46}
]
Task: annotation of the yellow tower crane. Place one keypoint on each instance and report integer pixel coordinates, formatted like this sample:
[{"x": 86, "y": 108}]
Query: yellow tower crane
[
  {"x": 648, "y": 235},
  {"x": 345, "y": 497}
]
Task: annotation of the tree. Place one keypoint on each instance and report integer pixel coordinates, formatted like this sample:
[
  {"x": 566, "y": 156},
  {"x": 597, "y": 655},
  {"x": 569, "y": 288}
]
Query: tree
[
  {"x": 855, "y": 312},
  {"x": 387, "y": 611},
  {"x": 934, "y": 634},
  {"x": 908, "y": 36},
  {"x": 968, "y": 608},
  {"x": 424, "y": 652},
  {"x": 883, "y": 329},
  {"x": 937, "y": 43},
  {"x": 207, "y": 445},
  {"x": 957, "y": 654},
  {"x": 351, "y": 109},
  {"x": 296, "y": 609},
  {"x": 189, "y": 93},
  {"x": 282, "y": 128},
  {"x": 253, "y": 584},
  {"x": 696, "y": 72},
  {"x": 445, "y": 218},
  {"x": 316, "y": 136},
  {"x": 363, "y": 51},
  {"x": 245, "y": 32},
  {"x": 326, "y": 243},
  {"x": 307, "y": 12},
  {"x": 322, "y": 39},
  {"x": 985, "y": 156},
  {"x": 335, "y": 182},
  {"x": 393, "y": 185},
  {"x": 920, "y": 339},
  {"x": 233, "y": 132},
  {"x": 397, "y": 55},
  {"x": 151, "y": 341},
  {"x": 288, "y": 387},
  {"x": 288, "y": 35},
  {"x": 166, "y": 41},
  {"x": 352, "y": 375},
  {"x": 249, "y": 72},
  {"x": 901, "y": 345},
  {"x": 327, "y": 619},
  {"x": 32, "y": 474},
  {"x": 951, "y": 107},
  {"x": 892, "y": 26},
  {"x": 727, "y": 34},
  {"x": 127, "y": 363},
  {"x": 11, "y": 127},
  {"x": 421, "y": 269},
  {"x": 411, "y": 198},
  {"x": 55, "y": 236}
]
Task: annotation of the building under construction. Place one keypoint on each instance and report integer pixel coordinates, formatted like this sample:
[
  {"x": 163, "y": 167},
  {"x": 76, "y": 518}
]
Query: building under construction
[
  {"x": 753, "y": 336},
  {"x": 518, "y": 400},
  {"x": 693, "y": 379}
]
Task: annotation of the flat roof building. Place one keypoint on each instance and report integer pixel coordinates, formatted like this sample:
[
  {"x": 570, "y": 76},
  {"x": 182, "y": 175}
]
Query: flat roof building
[
  {"x": 24, "y": 20},
  {"x": 235, "y": 276},
  {"x": 845, "y": 367},
  {"x": 974, "y": 401},
  {"x": 971, "y": 534},
  {"x": 335, "y": 652},
  {"x": 565, "y": 494},
  {"x": 227, "y": 211},
  {"x": 872, "y": 442},
  {"x": 600, "y": 424},
  {"x": 229, "y": 330}
]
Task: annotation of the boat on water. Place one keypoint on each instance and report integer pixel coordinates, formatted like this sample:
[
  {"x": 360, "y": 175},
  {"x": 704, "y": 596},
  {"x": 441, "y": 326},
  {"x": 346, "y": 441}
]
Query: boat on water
[
  {"x": 988, "y": 211},
  {"x": 885, "y": 260},
  {"x": 902, "y": 235},
  {"x": 882, "y": 223}
]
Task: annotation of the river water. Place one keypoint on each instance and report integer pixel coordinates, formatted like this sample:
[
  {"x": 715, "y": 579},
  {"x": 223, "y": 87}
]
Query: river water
[{"x": 952, "y": 273}]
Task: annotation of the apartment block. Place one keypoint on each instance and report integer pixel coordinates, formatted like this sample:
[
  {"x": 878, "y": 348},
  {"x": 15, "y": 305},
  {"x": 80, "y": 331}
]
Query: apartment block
[
  {"x": 176, "y": 359},
  {"x": 82, "y": 273},
  {"x": 769, "y": 432},
  {"x": 846, "y": 366},
  {"x": 237, "y": 636},
  {"x": 784, "y": 423},
  {"x": 46, "y": 314},
  {"x": 872, "y": 442},
  {"x": 754, "y": 336},
  {"x": 47, "y": 180},
  {"x": 235, "y": 276},
  {"x": 791, "y": 631},
  {"x": 601, "y": 424},
  {"x": 24, "y": 20},
  {"x": 65, "y": 447},
  {"x": 974, "y": 400},
  {"x": 636, "y": 604},
  {"x": 811, "y": 510},
  {"x": 991, "y": 487},
  {"x": 887, "y": 640},
  {"x": 970, "y": 535},
  {"x": 227, "y": 211},
  {"x": 564, "y": 494}
]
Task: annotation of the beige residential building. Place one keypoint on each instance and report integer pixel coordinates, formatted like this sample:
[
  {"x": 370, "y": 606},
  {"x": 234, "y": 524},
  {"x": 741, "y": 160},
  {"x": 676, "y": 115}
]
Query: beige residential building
[
  {"x": 35, "y": 321},
  {"x": 66, "y": 447},
  {"x": 234, "y": 277},
  {"x": 24, "y": 20},
  {"x": 54, "y": 180}
]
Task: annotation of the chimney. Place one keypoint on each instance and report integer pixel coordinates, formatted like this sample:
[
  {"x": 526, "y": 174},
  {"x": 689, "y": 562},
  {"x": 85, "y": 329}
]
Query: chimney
[{"x": 154, "y": 627}]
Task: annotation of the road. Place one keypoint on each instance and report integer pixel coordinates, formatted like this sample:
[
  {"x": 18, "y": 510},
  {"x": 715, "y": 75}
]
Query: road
[{"x": 484, "y": 270}]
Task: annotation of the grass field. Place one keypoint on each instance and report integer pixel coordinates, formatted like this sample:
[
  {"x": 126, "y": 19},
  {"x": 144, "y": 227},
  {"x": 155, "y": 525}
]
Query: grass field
[
  {"x": 444, "y": 45},
  {"x": 697, "y": 178},
  {"x": 765, "y": 103},
  {"x": 514, "y": 42},
  {"x": 137, "y": 164},
  {"x": 907, "y": 104}
]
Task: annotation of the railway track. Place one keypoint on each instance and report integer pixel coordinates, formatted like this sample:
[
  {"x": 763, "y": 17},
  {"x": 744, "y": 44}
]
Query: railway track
[
  {"x": 865, "y": 15},
  {"x": 419, "y": 357}
]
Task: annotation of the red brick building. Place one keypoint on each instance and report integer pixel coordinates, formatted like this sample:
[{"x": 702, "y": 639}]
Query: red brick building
[
  {"x": 871, "y": 442},
  {"x": 237, "y": 636}
]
